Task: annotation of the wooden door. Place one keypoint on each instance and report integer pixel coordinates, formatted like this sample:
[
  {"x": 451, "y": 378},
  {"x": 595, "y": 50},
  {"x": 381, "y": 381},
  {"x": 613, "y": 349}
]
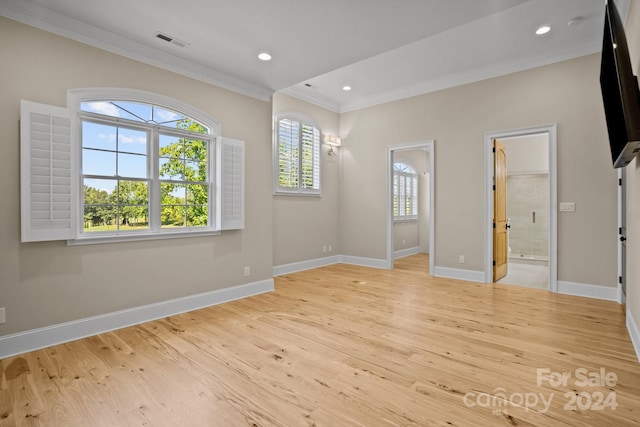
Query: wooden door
[{"x": 500, "y": 242}]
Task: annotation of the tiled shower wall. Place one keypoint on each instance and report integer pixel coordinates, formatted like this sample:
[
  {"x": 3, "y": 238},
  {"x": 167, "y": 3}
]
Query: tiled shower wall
[{"x": 528, "y": 197}]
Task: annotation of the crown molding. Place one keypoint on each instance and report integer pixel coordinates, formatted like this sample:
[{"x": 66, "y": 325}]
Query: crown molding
[
  {"x": 447, "y": 82},
  {"x": 44, "y": 19},
  {"x": 470, "y": 76},
  {"x": 56, "y": 23},
  {"x": 312, "y": 98}
]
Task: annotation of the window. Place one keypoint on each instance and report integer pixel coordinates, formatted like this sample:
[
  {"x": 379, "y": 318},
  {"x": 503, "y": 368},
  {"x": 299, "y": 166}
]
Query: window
[
  {"x": 405, "y": 192},
  {"x": 142, "y": 169},
  {"x": 134, "y": 154},
  {"x": 296, "y": 156}
]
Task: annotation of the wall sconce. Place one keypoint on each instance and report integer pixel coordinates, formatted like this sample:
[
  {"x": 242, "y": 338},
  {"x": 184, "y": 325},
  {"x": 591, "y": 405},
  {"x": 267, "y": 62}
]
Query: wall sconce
[{"x": 332, "y": 141}]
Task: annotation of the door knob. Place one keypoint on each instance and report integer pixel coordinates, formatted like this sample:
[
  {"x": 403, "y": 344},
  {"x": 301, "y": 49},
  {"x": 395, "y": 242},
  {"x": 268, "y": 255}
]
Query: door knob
[{"x": 623, "y": 239}]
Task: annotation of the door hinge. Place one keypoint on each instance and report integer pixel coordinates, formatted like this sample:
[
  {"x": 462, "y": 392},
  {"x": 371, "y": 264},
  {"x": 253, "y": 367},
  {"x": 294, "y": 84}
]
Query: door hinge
[
  {"x": 494, "y": 187},
  {"x": 494, "y": 262},
  {"x": 494, "y": 149},
  {"x": 620, "y": 182},
  {"x": 494, "y": 225},
  {"x": 620, "y": 279},
  {"x": 620, "y": 230}
]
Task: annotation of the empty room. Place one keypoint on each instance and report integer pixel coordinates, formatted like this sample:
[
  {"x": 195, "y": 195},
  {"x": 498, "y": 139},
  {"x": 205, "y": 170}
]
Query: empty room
[{"x": 296, "y": 213}]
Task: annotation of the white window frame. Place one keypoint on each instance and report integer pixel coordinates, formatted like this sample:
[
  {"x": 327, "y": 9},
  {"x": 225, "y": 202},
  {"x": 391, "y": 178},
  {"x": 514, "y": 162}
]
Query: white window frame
[
  {"x": 410, "y": 179},
  {"x": 226, "y": 171},
  {"x": 296, "y": 191}
]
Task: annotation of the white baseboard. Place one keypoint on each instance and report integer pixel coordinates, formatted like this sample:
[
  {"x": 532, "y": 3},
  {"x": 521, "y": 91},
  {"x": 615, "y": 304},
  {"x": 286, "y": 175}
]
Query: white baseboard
[
  {"x": 406, "y": 252},
  {"x": 35, "y": 339},
  {"x": 279, "y": 270},
  {"x": 634, "y": 332},
  {"x": 294, "y": 267},
  {"x": 460, "y": 274},
  {"x": 363, "y": 262},
  {"x": 589, "y": 291}
]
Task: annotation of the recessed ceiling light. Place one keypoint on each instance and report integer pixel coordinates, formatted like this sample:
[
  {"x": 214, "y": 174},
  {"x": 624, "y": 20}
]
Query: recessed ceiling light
[
  {"x": 543, "y": 30},
  {"x": 264, "y": 56},
  {"x": 346, "y": 88}
]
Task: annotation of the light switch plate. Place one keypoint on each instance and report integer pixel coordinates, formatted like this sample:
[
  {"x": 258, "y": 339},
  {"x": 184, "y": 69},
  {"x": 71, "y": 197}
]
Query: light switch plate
[{"x": 567, "y": 207}]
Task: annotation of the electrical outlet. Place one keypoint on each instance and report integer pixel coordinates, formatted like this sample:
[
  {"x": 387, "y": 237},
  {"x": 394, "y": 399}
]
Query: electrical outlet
[
  {"x": 330, "y": 248},
  {"x": 324, "y": 249},
  {"x": 403, "y": 242},
  {"x": 247, "y": 271},
  {"x": 567, "y": 207},
  {"x": 2, "y": 318},
  {"x": 461, "y": 259}
]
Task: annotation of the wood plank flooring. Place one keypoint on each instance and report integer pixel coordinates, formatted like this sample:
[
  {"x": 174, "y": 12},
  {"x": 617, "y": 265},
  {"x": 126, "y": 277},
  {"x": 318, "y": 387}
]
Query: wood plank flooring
[{"x": 344, "y": 346}]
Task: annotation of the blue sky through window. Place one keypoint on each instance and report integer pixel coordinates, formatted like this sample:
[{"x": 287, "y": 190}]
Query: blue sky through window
[
  {"x": 133, "y": 111},
  {"x": 114, "y": 151}
]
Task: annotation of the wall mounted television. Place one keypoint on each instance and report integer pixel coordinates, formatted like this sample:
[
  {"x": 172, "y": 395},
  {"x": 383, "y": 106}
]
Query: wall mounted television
[{"x": 620, "y": 93}]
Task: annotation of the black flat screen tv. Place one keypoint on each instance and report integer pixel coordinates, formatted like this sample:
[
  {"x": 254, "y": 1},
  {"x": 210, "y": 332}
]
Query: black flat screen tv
[{"x": 620, "y": 93}]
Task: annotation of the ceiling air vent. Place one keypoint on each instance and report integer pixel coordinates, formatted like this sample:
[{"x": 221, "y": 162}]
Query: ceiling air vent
[{"x": 171, "y": 40}]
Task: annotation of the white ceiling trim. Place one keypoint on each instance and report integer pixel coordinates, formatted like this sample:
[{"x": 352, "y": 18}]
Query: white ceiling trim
[
  {"x": 434, "y": 85},
  {"x": 33, "y": 14},
  {"x": 28, "y": 13},
  {"x": 466, "y": 77},
  {"x": 312, "y": 98}
]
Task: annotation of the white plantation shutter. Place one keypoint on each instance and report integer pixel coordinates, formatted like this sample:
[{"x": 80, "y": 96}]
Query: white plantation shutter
[
  {"x": 414, "y": 196},
  {"x": 45, "y": 159},
  {"x": 310, "y": 161},
  {"x": 405, "y": 192},
  {"x": 296, "y": 156},
  {"x": 403, "y": 196},
  {"x": 231, "y": 179},
  {"x": 288, "y": 153}
]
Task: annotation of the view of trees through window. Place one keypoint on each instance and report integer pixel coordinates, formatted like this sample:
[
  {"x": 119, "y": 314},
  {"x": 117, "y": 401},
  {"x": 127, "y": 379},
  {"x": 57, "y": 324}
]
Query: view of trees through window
[{"x": 118, "y": 180}]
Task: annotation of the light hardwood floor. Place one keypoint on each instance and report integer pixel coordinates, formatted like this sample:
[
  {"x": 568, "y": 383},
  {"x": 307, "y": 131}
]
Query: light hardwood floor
[{"x": 342, "y": 346}]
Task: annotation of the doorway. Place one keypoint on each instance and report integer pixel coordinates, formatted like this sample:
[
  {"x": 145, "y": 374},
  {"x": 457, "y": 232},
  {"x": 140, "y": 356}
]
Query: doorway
[
  {"x": 416, "y": 158},
  {"x": 526, "y": 249}
]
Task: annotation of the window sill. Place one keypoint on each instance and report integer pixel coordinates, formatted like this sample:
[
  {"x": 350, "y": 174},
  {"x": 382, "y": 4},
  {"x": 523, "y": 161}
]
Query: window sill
[
  {"x": 402, "y": 220},
  {"x": 134, "y": 237},
  {"x": 296, "y": 194}
]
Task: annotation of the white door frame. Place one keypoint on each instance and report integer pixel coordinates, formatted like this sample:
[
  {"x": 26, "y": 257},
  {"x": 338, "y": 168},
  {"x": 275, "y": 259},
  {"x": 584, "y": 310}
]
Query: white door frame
[
  {"x": 622, "y": 219},
  {"x": 429, "y": 146},
  {"x": 551, "y": 131}
]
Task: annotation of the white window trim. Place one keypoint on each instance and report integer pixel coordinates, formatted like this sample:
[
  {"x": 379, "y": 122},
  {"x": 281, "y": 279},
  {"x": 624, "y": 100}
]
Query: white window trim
[
  {"x": 280, "y": 191},
  {"x": 133, "y": 237},
  {"x": 77, "y": 96},
  {"x": 221, "y": 219}
]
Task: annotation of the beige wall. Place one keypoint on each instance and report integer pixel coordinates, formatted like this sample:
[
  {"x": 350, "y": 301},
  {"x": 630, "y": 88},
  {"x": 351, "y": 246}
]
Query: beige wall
[
  {"x": 405, "y": 235},
  {"x": 633, "y": 188},
  {"x": 565, "y": 93},
  {"x": 304, "y": 225},
  {"x": 527, "y": 154},
  {"x": 47, "y": 283}
]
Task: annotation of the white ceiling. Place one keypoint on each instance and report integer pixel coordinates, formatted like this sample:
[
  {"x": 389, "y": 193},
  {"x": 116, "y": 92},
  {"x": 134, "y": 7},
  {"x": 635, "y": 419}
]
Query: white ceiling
[{"x": 384, "y": 49}]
